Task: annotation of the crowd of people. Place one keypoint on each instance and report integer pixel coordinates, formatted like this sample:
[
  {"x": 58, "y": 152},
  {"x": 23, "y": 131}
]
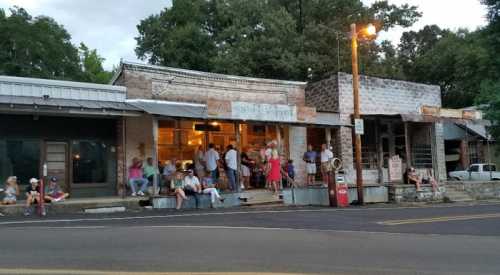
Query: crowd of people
[{"x": 52, "y": 193}]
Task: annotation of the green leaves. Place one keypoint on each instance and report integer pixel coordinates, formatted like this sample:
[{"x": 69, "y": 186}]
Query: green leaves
[
  {"x": 40, "y": 47},
  {"x": 263, "y": 38}
]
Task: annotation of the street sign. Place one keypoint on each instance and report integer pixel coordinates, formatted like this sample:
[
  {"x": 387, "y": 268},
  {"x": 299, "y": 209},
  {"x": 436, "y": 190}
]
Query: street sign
[{"x": 359, "y": 128}]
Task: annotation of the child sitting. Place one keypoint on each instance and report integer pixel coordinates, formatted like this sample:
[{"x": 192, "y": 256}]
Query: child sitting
[{"x": 53, "y": 192}]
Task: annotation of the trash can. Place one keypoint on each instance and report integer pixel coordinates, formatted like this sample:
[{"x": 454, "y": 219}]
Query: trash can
[{"x": 342, "y": 197}]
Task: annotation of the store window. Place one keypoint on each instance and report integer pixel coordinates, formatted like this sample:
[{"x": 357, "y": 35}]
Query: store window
[
  {"x": 19, "y": 157},
  {"x": 90, "y": 161}
]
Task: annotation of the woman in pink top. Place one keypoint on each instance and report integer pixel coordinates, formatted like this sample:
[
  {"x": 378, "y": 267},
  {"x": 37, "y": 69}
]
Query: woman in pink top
[
  {"x": 135, "y": 175},
  {"x": 274, "y": 168}
]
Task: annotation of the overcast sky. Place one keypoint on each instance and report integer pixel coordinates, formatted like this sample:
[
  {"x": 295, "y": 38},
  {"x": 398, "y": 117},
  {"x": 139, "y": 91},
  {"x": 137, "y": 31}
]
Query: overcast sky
[{"x": 110, "y": 25}]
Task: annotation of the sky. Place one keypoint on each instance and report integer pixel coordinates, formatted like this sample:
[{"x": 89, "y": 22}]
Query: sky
[{"x": 110, "y": 25}]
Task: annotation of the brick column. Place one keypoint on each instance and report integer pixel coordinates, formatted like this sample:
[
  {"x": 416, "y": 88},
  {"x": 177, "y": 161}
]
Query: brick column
[
  {"x": 440, "y": 157},
  {"x": 120, "y": 157},
  {"x": 298, "y": 145}
]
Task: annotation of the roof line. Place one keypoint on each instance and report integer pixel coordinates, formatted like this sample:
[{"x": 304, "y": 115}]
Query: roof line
[
  {"x": 208, "y": 74},
  {"x": 60, "y": 83}
]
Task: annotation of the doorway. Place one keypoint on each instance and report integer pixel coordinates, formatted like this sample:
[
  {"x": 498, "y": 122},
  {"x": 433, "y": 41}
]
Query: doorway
[{"x": 56, "y": 158}]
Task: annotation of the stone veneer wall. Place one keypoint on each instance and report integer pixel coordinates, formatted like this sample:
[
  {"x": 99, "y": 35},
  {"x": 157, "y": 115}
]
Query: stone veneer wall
[
  {"x": 377, "y": 97},
  {"x": 323, "y": 95},
  {"x": 298, "y": 145}
]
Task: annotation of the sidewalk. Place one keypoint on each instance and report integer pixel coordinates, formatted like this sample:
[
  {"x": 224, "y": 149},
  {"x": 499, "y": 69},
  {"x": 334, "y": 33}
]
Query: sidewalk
[{"x": 78, "y": 205}]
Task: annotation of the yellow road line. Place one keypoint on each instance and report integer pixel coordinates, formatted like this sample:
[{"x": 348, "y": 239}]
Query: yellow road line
[
  {"x": 96, "y": 272},
  {"x": 441, "y": 219}
]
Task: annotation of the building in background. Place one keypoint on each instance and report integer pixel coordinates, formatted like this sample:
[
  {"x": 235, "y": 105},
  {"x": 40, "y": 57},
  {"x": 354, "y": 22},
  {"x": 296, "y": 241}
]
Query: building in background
[{"x": 74, "y": 128}]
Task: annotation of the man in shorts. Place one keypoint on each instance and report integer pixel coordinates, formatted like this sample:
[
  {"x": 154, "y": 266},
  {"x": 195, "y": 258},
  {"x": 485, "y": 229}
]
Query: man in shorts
[
  {"x": 32, "y": 196},
  {"x": 310, "y": 159}
]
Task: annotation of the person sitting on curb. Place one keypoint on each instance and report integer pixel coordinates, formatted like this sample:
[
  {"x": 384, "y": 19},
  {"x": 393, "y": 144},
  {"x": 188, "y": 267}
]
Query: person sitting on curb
[
  {"x": 209, "y": 188},
  {"x": 413, "y": 178},
  {"x": 53, "y": 192},
  {"x": 11, "y": 191},
  {"x": 192, "y": 186},
  {"x": 177, "y": 184},
  {"x": 135, "y": 175},
  {"x": 32, "y": 196}
]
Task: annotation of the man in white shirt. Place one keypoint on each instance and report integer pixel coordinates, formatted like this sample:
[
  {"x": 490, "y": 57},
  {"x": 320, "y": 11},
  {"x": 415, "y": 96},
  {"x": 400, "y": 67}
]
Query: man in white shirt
[
  {"x": 231, "y": 159},
  {"x": 326, "y": 167},
  {"x": 192, "y": 186},
  {"x": 211, "y": 161}
]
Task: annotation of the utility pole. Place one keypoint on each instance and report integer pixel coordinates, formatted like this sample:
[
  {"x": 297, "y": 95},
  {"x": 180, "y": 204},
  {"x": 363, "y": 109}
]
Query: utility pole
[{"x": 355, "y": 90}]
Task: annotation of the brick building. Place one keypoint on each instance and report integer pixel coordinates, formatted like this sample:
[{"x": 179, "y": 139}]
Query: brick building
[
  {"x": 393, "y": 121},
  {"x": 185, "y": 110}
]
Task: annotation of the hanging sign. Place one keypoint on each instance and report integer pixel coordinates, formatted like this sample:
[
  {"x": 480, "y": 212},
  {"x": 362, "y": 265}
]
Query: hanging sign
[{"x": 359, "y": 128}]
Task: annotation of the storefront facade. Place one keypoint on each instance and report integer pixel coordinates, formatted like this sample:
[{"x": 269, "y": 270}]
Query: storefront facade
[
  {"x": 394, "y": 125},
  {"x": 74, "y": 129},
  {"x": 186, "y": 110}
]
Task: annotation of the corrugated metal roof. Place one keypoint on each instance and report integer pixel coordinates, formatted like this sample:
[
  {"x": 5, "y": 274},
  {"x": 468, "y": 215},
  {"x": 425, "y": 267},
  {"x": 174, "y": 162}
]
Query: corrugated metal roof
[
  {"x": 65, "y": 103},
  {"x": 170, "y": 109},
  {"x": 33, "y": 87}
]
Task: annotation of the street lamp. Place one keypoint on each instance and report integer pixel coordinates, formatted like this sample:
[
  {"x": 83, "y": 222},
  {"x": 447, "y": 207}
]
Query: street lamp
[{"x": 369, "y": 31}]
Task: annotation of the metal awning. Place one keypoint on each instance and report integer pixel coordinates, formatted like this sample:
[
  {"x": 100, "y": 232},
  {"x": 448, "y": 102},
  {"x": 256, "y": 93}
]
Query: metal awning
[
  {"x": 170, "y": 108},
  {"x": 27, "y": 104},
  {"x": 199, "y": 111}
]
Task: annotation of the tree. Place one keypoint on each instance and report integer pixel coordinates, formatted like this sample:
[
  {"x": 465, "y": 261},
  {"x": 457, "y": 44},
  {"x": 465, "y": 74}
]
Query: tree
[
  {"x": 263, "y": 38},
  {"x": 92, "y": 66},
  {"x": 39, "y": 47},
  {"x": 490, "y": 86}
]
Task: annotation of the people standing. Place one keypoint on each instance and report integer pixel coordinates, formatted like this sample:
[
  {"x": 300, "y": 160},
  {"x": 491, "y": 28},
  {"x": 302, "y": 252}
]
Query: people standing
[
  {"x": 290, "y": 171},
  {"x": 231, "y": 158},
  {"x": 246, "y": 164},
  {"x": 326, "y": 163},
  {"x": 169, "y": 170},
  {"x": 11, "y": 191},
  {"x": 310, "y": 160},
  {"x": 274, "y": 171},
  {"x": 135, "y": 176},
  {"x": 199, "y": 162},
  {"x": 212, "y": 161}
]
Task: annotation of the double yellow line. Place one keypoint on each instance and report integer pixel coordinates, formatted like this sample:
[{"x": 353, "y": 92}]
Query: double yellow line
[{"x": 441, "y": 219}]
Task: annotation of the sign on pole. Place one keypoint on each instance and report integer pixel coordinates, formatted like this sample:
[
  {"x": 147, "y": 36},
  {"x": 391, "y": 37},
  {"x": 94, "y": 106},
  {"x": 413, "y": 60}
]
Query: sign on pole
[{"x": 359, "y": 128}]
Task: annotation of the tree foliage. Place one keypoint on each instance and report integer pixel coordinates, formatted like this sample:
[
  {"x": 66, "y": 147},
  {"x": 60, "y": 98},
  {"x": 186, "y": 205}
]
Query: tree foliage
[
  {"x": 40, "y": 47},
  {"x": 264, "y": 38}
]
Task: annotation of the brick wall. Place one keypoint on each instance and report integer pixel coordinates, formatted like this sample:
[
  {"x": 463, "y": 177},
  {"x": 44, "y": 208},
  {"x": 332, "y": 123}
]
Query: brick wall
[
  {"x": 139, "y": 133},
  {"x": 323, "y": 95},
  {"x": 198, "y": 87},
  {"x": 440, "y": 156},
  {"x": 120, "y": 157},
  {"x": 385, "y": 96}
]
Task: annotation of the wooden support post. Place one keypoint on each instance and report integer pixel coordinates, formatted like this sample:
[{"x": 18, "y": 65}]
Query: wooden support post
[
  {"x": 380, "y": 152},
  {"x": 408, "y": 145},
  {"x": 238, "y": 155},
  {"x": 156, "y": 179}
]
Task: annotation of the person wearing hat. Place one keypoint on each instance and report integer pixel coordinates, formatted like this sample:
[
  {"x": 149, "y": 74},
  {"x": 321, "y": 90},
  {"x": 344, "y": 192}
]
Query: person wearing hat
[
  {"x": 53, "y": 192},
  {"x": 32, "y": 195}
]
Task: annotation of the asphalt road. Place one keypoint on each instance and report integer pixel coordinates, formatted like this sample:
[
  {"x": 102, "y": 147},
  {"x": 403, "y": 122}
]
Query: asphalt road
[{"x": 436, "y": 240}]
